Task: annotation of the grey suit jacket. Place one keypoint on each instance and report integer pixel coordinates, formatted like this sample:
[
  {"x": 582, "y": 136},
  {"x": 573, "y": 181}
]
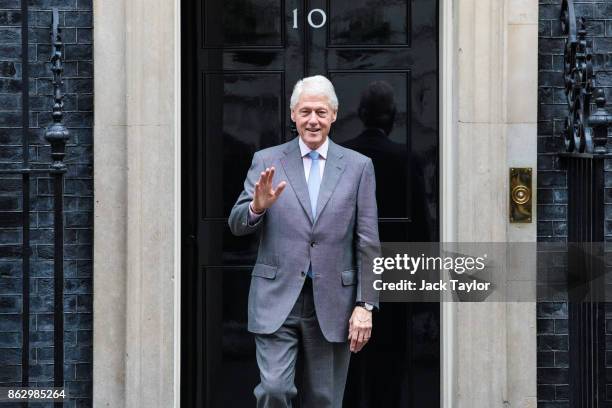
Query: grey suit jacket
[{"x": 340, "y": 242}]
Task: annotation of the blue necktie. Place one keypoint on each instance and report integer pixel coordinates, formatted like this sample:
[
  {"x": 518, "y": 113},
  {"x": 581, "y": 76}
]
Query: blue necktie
[{"x": 314, "y": 182}]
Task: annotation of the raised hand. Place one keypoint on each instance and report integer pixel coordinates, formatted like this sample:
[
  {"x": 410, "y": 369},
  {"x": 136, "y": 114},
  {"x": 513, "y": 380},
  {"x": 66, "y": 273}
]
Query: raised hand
[{"x": 264, "y": 195}]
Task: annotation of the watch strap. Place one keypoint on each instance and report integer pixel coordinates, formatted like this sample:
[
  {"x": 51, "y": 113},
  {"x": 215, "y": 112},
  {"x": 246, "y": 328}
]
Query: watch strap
[{"x": 366, "y": 306}]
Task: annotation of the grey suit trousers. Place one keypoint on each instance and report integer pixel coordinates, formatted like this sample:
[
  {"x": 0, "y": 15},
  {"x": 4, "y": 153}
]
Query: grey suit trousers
[{"x": 325, "y": 363}]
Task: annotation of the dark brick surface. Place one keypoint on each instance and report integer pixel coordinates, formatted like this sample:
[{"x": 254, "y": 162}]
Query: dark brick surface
[
  {"x": 77, "y": 22},
  {"x": 553, "y": 389}
]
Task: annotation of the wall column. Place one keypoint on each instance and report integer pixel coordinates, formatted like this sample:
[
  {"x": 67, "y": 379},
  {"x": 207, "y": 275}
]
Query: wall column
[
  {"x": 489, "y": 349},
  {"x": 136, "y": 222}
]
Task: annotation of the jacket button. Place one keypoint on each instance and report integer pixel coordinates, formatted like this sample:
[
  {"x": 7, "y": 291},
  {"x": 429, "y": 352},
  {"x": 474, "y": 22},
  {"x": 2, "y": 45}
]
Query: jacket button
[
  {"x": 302, "y": 273},
  {"x": 312, "y": 244}
]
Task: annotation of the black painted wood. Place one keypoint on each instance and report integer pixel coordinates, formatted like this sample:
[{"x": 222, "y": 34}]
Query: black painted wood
[{"x": 241, "y": 59}]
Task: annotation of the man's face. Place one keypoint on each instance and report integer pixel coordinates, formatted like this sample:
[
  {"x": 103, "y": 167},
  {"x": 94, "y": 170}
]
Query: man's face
[{"x": 313, "y": 118}]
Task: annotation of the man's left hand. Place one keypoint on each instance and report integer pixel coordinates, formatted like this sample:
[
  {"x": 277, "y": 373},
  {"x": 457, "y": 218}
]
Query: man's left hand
[{"x": 360, "y": 328}]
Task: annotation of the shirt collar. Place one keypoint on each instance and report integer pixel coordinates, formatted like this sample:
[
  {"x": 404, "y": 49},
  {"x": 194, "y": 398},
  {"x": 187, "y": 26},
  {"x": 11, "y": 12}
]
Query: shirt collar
[{"x": 304, "y": 150}]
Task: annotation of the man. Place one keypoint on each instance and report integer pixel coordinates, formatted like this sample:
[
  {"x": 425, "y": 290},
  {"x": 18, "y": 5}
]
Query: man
[{"x": 312, "y": 283}]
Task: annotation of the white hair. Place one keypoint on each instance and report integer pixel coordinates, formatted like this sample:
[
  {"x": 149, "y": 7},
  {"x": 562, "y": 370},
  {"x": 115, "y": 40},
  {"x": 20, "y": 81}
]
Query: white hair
[{"x": 314, "y": 85}]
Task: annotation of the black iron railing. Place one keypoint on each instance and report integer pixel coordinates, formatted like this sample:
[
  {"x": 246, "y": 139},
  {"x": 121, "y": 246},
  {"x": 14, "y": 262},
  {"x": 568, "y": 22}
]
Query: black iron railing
[
  {"x": 585, "y": 130},
  {"x": 57, "y": 135},
  {"x": 585, "y": 136},
  {"x": 586, "y": 313}
]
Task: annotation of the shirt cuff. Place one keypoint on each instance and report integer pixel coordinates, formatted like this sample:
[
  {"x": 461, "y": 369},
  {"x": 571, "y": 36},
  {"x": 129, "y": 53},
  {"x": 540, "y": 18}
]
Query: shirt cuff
[{"x": 253, "y": 216}]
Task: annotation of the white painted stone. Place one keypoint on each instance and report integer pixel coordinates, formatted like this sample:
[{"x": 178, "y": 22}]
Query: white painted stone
[
  {"x": 110, "y": 205},
  {"x": 494, "y": 358},
  {"x": 523, "y": 12},
  {"x": 481, "y": 52},
  {"x": 522, "y": 354},
  {"x": 481, "y": 192},
  {"x": 150, "y": 62},
  {"x": 522, "y": 73},
  {"x": 482, "y": 378},
  {"x": 522, "y": 151},
  {"x": 150, "y": 283},
  {"x": 134, "y": 243}
]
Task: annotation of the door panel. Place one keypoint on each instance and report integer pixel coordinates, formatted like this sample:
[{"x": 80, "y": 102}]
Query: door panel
[
  {"x": 389, "y": 152},
  {"x": 364, "y": 22},
  {"x": 240, "y": 61},
  {"x": 242, "y": 23},
  {"x": 242, "y": 112}
]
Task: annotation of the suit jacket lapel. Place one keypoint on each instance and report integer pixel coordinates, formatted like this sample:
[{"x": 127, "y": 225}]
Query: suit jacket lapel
[
  {"x": 334, "y": 167},
  {"x": 294, "y": 168}
]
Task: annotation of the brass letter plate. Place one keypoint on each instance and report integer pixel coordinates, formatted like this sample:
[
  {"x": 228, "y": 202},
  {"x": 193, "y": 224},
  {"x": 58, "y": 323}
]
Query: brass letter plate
[{"x": 520, "y": 194}]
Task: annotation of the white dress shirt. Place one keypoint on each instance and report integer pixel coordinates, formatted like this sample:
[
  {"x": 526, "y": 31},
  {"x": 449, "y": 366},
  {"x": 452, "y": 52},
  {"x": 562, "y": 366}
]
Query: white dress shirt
[{"x": 305, "y": 150}]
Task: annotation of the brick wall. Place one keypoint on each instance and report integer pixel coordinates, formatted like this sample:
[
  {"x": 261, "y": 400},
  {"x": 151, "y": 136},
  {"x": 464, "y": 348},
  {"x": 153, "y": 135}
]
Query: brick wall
[
  {"x": 553, "y": 375},
  {"x": 76, "y": 21}
]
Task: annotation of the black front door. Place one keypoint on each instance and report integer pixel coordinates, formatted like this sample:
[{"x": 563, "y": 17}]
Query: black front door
[{"x": 240, "y": 60}]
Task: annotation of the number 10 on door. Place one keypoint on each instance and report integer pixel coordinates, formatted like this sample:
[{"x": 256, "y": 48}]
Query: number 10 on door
[{"x": 310, "y": 18}]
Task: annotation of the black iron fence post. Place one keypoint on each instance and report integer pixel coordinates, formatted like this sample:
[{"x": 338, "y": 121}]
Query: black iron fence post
[
  {"x": 25, "y": 215},
  {"x": 57, "y": 135},
  {"x": 585, "y": 137}
]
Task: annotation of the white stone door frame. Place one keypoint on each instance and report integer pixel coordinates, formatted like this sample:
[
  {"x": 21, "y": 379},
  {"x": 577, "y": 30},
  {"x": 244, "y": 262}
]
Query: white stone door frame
[
  {"x": 137, "y": 196},
  {"x": 136, "y": 203},
  {"x": 447, "y": 166},
  {"x": 488, "y": 122}
]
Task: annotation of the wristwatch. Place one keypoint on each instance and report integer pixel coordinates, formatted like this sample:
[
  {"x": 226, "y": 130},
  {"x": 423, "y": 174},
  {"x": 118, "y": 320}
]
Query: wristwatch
[{"x": 366, "y": 306}]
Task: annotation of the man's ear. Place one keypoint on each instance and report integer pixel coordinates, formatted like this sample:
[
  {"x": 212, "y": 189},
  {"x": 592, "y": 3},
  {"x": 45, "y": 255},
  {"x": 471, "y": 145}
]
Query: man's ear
[
  {"x": 293, "y": 115},
  {"x": 334, "y": 116}
]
